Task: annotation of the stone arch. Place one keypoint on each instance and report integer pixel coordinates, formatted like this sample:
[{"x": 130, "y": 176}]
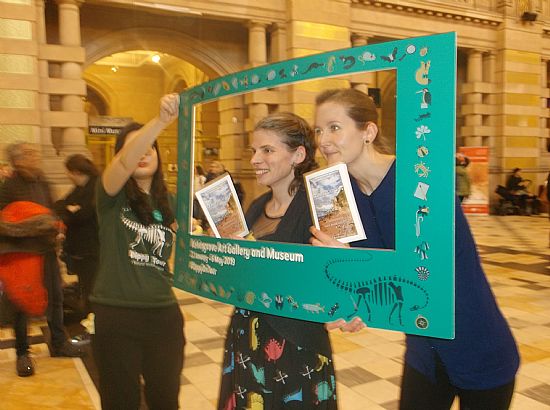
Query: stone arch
[
  {"x": 190, "y": 49},
  {"x": 177, "y": 83},
  {"x": 103, "y": 90},
  {"x": 96, "y": 102}
]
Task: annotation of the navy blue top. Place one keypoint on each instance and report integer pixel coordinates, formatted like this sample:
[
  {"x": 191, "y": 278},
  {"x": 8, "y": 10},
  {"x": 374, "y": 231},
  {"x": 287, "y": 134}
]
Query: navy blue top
[{"x": 483, "y": 354}]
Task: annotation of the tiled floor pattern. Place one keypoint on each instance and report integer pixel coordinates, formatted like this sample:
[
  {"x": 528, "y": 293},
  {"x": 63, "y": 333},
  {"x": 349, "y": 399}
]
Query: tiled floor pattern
[{"x": 515, "y": 254}]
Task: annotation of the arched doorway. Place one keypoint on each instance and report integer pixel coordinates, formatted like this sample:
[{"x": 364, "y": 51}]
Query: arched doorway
[{"x": 127, "y": 86}]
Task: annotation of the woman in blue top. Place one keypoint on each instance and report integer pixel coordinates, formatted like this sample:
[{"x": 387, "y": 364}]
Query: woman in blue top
[{"x": 480, "y": 364}]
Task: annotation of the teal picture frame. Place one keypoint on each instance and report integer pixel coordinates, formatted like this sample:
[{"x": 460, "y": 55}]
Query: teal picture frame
[{"x": 408, "y": 289}]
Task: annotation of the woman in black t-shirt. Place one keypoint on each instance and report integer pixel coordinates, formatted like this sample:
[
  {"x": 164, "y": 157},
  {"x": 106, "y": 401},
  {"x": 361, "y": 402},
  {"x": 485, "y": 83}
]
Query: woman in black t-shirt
[{"x": 138, "y": 323}]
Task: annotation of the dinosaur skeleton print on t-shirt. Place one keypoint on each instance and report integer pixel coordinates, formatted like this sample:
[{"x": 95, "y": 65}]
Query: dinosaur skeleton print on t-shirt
[{"x": 152, "y": 243}]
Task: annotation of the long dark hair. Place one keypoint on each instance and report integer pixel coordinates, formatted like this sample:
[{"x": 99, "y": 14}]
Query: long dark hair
[
  {"x": 295, "y": 132},
  {"x": 81, "y": 164},
  {"x": 139, "y": 200}
]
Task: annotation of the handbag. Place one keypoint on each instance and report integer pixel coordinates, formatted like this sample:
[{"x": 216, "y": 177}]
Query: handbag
[{"x": 22, "y": 273}]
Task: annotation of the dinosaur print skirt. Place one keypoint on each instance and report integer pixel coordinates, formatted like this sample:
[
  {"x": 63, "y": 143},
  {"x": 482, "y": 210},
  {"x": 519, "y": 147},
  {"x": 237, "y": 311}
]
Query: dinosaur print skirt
[{"x": 264, "y": 371}]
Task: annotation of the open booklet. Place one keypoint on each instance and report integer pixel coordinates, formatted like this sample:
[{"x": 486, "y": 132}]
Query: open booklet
[
  {"x": 222, "y": 208},
  {"x": 332, "y": 203}
]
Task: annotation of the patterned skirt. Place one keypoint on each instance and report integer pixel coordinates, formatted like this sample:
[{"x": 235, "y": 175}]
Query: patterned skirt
[{"x": 264, "y": 371}]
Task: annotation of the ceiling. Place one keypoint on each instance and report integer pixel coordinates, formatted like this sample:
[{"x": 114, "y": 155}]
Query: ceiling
[{"x": 135, "y": 58}]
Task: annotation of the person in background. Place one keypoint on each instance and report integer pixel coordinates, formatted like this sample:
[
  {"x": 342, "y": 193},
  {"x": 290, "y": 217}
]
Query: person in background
[
  {"x": 200, "y": 178},
  {"x": 216, "y": 169},
  {"x": 283, "y": 150},
  {"x": 199, "y": 181},
  {"x": 515, "y": 182},
  {"x": 28, "y": 183},
  {"x": 518, "y": 187},
  {"x": 463, "y": 186},
  {"x": 5, "y": 173},
  {"x": 78, "y": 212},
  {"x": 480, "y": 364},
  {"x": 138, "y": 323}
]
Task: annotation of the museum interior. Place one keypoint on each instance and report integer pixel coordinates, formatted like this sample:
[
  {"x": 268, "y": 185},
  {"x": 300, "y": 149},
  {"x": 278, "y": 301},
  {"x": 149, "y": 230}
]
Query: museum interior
[{"x": 74, "y": 72}]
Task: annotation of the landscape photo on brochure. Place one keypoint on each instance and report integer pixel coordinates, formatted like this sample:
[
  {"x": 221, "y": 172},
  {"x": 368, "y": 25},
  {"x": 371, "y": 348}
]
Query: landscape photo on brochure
[
  {"x": 332, "y": 203},
  {"x": 222, "y": 208}
]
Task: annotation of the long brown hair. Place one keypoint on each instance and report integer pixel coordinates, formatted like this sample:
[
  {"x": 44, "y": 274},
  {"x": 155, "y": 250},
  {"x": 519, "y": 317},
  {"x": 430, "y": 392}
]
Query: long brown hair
[
  {"x": 295, "y": 132},
  {"x": 137, "y": 199},
  {"x": 359, "y": 107},
  {"x": 80, "y": 163}
]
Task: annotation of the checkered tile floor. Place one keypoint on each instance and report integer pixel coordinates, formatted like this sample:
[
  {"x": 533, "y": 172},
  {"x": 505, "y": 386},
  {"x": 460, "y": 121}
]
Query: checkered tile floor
[{"x": 515, "y": 254}]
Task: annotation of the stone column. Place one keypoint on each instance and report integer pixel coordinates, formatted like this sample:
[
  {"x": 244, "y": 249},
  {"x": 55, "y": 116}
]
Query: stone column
[
  {"x": 545, "y": 95},
  {"x": 232, "y": 137},
  {"x": 19, "y": 79},
  {"x": 313, "y": 30},
  {"x": 69, "y": 35},
  {"x": 255, "y": 102},
  {"x": 278, "y": 42},
  {"x": 257, "y": 48},
  {"x": 489, "y": 76},
  {"x": 257, "y": 55},
  {"x": 474, "y": 75},
  {"x": 491, "y": 121},
  {"x": 361, "y": 82},
  {"x": 49, "y": 154}
]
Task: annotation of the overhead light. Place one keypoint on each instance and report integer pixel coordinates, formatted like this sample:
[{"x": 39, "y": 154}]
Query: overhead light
[
  {"x": 167, "y": 7},
  {"x": 155, "y": 58}
]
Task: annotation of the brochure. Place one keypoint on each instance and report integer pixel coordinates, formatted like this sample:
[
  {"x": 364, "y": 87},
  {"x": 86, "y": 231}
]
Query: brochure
[
  {"x": 332, "y": 203},
  {"x": 221, "y": 206}
]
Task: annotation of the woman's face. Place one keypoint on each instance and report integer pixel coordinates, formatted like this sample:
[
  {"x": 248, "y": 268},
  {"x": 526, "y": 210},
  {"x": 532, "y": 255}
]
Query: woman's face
[
  {"x": 272, "y": 159},
  {"x": 338, "y": 137},
  {"x": 78, "y": 178},
  {"x": 147, "y": 165},
  {"x": 30, "y": 158},
  {"x": 74, "y": 176},
  {"x": 216, "y": 168}
]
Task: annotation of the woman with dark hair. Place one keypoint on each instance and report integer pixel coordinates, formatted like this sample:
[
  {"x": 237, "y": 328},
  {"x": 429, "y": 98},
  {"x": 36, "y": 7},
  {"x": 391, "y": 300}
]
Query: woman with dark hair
[
  {"x": 283, "y": 150},
  {"x": 138, "y": 323},
  {"x": 480, "y": 364},
  {"x": 78, "y": 212}
]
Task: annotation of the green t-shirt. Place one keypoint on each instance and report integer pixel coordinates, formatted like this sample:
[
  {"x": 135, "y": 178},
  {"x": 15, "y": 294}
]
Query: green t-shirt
[{"x": 133, "y": 267}]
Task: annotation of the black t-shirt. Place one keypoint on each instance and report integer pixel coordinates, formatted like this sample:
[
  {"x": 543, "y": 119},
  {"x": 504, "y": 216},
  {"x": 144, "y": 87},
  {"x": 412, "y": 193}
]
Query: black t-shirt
[{"x": 293, "y": 228}]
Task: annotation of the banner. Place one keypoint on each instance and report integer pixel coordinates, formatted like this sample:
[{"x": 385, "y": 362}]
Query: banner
[{"x": 478, "y": 172}]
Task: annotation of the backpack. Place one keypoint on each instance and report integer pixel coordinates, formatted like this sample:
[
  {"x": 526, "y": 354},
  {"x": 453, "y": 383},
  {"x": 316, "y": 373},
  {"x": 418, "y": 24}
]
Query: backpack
[{"x": 22, "y": 273}]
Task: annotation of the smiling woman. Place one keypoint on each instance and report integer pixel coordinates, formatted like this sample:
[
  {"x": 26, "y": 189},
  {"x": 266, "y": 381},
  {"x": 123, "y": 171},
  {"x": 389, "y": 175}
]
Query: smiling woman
[
  {"x": 471, "y": 366},
  {"x": 280, "y": 348}
]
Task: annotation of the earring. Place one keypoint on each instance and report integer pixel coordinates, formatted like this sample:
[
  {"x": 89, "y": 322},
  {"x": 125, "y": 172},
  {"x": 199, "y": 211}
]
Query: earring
[{"x": 367, "y": 141}]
